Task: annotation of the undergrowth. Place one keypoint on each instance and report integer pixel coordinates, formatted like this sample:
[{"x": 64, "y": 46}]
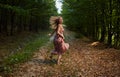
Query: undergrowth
[{"x": 25, "y": 53}]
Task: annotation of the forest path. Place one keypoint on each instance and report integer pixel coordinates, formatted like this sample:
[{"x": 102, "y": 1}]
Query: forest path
[{"x": 83, "y": 59}]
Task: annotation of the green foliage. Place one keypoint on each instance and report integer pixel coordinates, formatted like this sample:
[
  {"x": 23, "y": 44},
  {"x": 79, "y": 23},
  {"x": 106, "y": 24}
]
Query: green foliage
[
  {"x": 94, "y": 18},
  {"x": 25, "y": 15},
  {"x": 25, "y": 53}
]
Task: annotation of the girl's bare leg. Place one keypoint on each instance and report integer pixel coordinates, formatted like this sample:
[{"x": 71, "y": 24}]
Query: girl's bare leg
[
  {"x": 59, "y": 58},
  {"x": 53, "y": 53}
]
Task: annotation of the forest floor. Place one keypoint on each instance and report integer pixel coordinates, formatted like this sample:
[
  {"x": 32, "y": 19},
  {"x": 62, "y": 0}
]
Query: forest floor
[{"x": 85, "y": 58}]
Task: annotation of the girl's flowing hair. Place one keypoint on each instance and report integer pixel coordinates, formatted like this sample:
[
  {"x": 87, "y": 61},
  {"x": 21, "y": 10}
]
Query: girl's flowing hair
[{"x": 54, "y": 21}]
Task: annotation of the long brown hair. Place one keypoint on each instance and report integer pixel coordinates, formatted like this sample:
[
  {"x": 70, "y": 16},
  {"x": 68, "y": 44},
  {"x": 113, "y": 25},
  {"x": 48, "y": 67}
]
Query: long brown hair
[{"x": 54, "y": 21}]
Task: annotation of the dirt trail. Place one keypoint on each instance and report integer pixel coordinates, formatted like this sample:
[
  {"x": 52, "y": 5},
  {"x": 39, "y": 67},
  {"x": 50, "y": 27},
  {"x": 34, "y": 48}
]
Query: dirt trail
[{"x": 83, "y": 59}]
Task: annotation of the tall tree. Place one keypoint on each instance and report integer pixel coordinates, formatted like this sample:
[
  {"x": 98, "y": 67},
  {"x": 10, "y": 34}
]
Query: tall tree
[{"x": 96, "y": 19}]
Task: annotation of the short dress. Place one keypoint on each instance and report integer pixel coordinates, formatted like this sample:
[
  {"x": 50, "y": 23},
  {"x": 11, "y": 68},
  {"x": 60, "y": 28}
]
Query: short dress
[{"x": 59, "y": 45}]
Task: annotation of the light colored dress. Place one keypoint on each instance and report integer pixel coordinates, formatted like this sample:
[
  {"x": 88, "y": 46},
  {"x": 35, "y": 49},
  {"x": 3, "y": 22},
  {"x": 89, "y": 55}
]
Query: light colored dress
[{"x": 59, "y": 44}]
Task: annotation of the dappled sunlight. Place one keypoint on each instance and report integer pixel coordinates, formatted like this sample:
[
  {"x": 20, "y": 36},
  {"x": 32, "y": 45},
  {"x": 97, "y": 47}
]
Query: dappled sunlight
[
  {"x": 95, "y": 43},
  {"x": 99, "y": 45}
]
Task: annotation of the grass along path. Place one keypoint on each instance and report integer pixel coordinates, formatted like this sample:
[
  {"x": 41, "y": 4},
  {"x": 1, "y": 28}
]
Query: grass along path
[
  {"x": 83, "y": 59},
  {"x": 24, "y": 54}
]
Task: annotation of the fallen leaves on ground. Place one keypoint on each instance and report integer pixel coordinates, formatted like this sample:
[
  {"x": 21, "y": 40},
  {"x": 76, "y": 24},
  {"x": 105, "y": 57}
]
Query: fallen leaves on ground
[{"x": 81, "y": 60}]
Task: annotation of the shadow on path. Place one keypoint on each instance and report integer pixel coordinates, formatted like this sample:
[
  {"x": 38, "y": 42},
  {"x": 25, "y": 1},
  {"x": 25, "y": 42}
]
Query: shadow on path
[{"x": 46, "y": 61}]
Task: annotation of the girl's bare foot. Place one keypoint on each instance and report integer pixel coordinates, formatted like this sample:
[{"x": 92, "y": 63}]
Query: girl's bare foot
[
  {"x": 59, "y": 58},
  {"x": 58, "y": 62}
]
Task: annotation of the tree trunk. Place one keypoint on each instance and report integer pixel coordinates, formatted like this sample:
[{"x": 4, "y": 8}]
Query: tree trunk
[
  {"x": 0, "y": 22},
  {"x": 4, "y": 22},
  {"x": 30, "y": 25},
  {"x": 19, "y": 27},
  {"x": 117, "y": 29},
  {"x": 110, "y": 25},
  {"x": 12, "y": 22},
  {"x": 103, "y": 28}
]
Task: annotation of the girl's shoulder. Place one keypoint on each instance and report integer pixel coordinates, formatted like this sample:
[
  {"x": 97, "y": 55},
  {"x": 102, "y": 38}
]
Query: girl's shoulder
[{"x": 60, "y": 25}]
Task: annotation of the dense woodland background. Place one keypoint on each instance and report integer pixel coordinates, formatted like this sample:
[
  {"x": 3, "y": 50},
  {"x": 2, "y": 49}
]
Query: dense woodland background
[
  {"x": 25, "y": 15},
  {"x": 97, "y": 19},
  {"x": 24, "y": 29}
]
